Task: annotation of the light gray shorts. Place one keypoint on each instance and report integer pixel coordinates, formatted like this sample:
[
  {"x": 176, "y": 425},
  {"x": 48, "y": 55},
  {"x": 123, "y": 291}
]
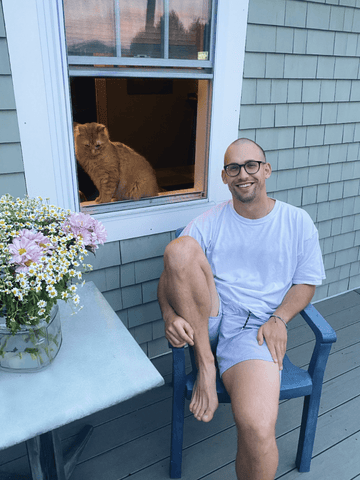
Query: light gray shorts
[{"x": 232, "y": 342}]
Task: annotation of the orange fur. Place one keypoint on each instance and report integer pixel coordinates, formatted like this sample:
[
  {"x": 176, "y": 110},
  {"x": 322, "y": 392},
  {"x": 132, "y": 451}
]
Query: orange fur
[{"x": 118, "y": 172}]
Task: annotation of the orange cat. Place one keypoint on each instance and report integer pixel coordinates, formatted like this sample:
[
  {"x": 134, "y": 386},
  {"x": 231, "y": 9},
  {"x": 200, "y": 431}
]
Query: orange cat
[{"x": 118, "y": 172}]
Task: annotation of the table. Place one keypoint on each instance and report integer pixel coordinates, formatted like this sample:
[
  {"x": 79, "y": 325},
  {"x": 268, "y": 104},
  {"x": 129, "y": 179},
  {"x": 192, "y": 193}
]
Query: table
[{"x": 99, "y": 365}]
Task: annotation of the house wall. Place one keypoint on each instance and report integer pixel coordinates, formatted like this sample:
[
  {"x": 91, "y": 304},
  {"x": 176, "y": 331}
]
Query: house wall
[
  {"x": 301, "y": 103},
  {"x": 12, "y": 177},
  {"x": 127, "y": 273}
]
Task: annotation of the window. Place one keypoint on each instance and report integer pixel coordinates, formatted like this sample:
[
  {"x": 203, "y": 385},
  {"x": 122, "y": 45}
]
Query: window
[
  {"x": 45, "y": 117},
  {"x": 143, "y": 69}
]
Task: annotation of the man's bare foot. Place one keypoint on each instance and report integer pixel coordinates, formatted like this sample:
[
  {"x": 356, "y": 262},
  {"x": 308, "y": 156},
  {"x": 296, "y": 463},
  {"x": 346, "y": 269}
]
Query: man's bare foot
[{"x": 204, "y": 399}]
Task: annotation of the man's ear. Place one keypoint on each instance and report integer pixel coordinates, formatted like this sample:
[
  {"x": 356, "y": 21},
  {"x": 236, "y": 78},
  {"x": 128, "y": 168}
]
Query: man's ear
[
  {"x": 224, "y": 176},
  {"x": 268, "y": 170}
]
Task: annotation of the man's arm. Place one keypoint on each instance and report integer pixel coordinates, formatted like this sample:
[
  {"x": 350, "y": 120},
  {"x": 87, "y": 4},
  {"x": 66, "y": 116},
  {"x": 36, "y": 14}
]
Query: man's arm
[
  {"x": 274, "y": 330},
  {"x": 177, "y": 330}
]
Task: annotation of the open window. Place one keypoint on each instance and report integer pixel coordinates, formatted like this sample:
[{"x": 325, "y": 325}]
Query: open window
[{"x": 143, "y": 69}]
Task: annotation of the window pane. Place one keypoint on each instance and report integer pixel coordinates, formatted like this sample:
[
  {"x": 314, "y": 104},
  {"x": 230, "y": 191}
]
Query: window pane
[
  {"x": 189, "y": 29},
  {"x": 141, "y": 27},
  {"x": 90, "y": 27}
]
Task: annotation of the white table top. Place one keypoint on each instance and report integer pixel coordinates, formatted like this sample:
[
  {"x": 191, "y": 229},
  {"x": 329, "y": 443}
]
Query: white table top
[{"x": 99, "y": 364}]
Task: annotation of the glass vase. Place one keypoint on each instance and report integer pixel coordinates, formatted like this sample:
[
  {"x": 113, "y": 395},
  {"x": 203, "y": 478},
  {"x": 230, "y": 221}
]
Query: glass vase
[{"x": 32, "y": 348}]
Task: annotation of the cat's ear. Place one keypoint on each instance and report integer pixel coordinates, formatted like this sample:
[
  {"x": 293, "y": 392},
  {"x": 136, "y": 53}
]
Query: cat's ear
[
  {"x": 103, "y": 130},
  {"x": 79, "y": 129}
]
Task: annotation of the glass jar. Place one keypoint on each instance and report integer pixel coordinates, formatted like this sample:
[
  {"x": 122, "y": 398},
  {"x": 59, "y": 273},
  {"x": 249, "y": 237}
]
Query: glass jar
[{"x": 31, "y": 348}]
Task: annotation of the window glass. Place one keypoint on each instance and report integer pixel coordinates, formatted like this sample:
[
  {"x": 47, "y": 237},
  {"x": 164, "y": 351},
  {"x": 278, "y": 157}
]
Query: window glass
[
  {"x": 189, "y": 29},
  {"x": 141, "y": 28},
  {"x": 90, "y": 27}
]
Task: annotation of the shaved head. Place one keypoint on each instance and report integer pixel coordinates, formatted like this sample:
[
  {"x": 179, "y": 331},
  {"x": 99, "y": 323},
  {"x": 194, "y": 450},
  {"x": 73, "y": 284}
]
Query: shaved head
[{"x": 241, "y": 142}]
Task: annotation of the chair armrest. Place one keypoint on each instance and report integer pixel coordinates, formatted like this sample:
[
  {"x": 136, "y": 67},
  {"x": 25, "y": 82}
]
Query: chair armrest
[
  {"x": 178, "y": 354},
  {"x": 323, "y": 331},
  {"x": 178, "y": 231}
]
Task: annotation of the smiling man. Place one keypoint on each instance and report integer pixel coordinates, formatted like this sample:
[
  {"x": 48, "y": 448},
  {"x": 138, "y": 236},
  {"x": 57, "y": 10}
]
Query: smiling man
[{"x": 231, "y": 283}]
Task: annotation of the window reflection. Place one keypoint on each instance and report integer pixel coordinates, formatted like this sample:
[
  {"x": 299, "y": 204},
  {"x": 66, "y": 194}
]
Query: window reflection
[
  {"x": 141, "y": 28},
  {"x": 189, "y": 29},
  {"x": 90, "y": 27}
]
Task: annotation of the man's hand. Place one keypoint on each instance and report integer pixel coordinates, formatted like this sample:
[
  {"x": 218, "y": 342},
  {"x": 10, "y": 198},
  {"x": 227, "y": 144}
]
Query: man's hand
[
  {"x": 179, "y": 332},
  {"x": 275, "y": 334}
]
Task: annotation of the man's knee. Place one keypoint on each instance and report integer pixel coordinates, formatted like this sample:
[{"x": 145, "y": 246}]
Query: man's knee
[
  {"x": 255, "y": 430},
  {"x": 181, "y": 252}
]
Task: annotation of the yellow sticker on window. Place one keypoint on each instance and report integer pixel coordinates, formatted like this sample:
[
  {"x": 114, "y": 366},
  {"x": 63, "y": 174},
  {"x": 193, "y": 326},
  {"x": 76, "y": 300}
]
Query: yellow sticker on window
[{"x": 203, "y": 55}]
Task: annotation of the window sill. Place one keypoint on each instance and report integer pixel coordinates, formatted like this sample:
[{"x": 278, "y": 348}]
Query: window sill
[{"x": 144, "y": 221}]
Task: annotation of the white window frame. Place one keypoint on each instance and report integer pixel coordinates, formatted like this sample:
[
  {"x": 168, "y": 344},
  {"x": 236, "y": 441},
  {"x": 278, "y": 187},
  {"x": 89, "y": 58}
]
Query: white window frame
[{"x": 39, "y": 70}]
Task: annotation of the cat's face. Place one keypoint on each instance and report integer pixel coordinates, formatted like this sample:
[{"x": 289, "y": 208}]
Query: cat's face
[{"x": 90, "y": 138}]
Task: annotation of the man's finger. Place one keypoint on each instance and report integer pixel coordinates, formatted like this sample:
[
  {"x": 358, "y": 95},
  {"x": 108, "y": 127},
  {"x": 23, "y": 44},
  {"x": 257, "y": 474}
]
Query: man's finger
[
  {"x": 185, "y": 337},
  {"x": 190, "y": 334},
  {"x": 175, "y": 342},
  {"x": 280, "y": 357},
  {"x": 273, "y": 353},
  {"x": 181, "y": 336}
]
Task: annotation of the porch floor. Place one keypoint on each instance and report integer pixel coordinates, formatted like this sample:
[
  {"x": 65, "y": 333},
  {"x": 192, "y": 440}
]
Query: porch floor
[{"x": 133, "y": 438}]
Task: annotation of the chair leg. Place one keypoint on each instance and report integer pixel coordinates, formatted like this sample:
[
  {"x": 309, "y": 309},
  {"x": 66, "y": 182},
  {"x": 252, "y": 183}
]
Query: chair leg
[
  {"x": 307, "y": 432},
  {"x": 178, "y": 407},
  {"x": 177, "y": 429},
  {"x": 311, "y": 406}
]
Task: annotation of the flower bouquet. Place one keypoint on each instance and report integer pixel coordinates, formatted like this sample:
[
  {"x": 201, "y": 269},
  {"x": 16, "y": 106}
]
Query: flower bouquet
[{"x": 42, "y": 252}]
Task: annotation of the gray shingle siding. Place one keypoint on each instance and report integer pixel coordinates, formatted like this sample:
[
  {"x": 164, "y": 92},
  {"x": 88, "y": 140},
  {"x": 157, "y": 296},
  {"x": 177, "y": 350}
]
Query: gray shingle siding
[
  {"x": 127, "y": 273},
  {"x": 306, "y": 65},
  {"x": 12, "y": 177}
]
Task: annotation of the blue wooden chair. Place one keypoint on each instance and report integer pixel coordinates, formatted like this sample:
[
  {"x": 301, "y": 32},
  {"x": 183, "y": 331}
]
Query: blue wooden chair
[{"x": 295, "y": 382}]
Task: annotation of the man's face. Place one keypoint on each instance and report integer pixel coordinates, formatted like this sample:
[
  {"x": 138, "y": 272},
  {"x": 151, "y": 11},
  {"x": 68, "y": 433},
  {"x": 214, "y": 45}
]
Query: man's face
[{"x": 245, "y": 187}]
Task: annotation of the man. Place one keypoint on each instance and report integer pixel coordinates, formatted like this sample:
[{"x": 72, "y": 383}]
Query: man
[{"x": 237, "y": 275}]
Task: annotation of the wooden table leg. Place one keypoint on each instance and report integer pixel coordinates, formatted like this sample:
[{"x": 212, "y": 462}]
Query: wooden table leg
[
  {"x": 71, "y": 456},
  {"x": 46, "y": 458}
]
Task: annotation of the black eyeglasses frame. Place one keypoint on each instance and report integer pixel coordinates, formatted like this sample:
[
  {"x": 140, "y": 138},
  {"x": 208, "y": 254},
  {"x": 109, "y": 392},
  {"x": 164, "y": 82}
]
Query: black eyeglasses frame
[{"x": 243, "y": 165}]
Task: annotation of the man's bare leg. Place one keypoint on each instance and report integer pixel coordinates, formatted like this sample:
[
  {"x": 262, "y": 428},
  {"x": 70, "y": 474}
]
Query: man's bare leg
[
  {"x": 254, "y": 387},
  {"x": 188, "y": 286}
]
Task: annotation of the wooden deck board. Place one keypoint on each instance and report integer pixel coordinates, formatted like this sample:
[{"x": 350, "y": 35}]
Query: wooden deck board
[{"x": 133, "y": 438}]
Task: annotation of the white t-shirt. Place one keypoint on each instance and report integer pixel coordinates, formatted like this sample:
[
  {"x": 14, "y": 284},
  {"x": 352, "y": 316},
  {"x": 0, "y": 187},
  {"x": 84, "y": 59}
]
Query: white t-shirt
[{"x": 255, "y": 262}]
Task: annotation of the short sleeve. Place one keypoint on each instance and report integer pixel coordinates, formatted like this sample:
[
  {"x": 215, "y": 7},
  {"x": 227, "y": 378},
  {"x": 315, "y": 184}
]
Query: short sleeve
[
  {"x": 193, "y": 231},
  {"x": 310, "y": 267}
]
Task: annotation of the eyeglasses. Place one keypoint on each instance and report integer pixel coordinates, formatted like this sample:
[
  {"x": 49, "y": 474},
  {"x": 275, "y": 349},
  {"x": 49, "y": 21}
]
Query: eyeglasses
[{"x": 251, "y": 167}]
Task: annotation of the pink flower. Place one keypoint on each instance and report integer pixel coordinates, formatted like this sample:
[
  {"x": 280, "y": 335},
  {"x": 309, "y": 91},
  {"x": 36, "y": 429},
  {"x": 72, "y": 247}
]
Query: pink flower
[
  {"x": 38, "y": 238},
  {"x": 84, "y": 226},
  {"x": 99, "y": 232},
  {"x": 79, "y": 224},
  {"x": 24, "y": 252}
]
